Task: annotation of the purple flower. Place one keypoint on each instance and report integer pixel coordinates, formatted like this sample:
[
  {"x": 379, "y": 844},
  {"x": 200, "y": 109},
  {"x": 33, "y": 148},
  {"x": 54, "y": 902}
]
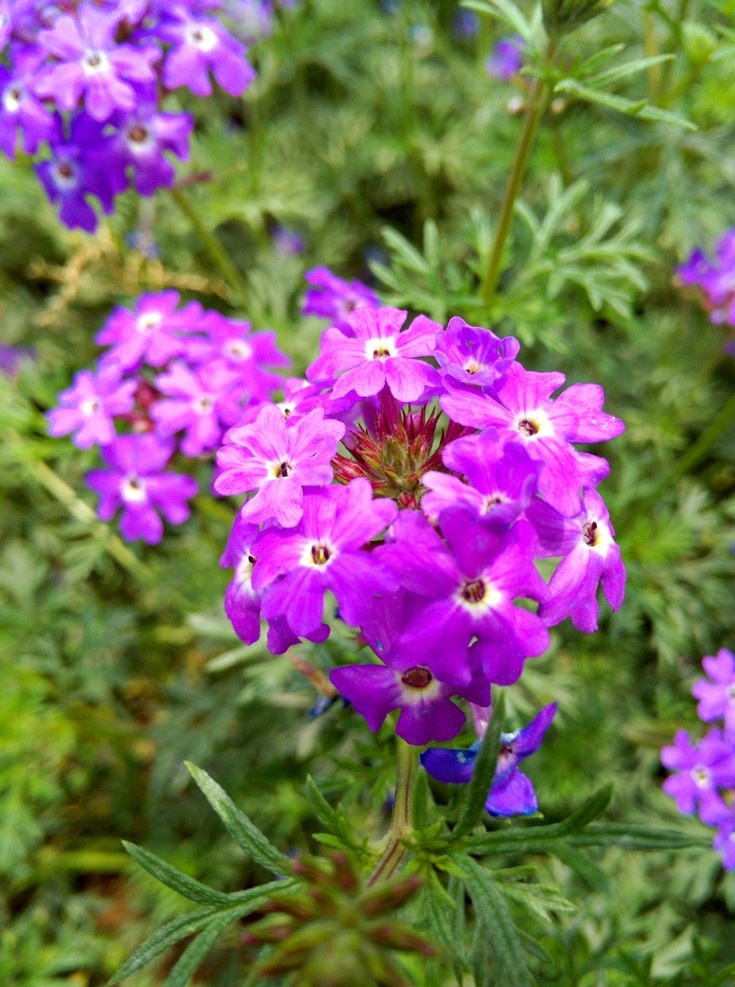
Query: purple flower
[
  {"x": 200, "y": 45},
  {"x": 590, "y": 556},
  {"x": 511, "y": 792},
  {"x": 137, "y": 482},
  {"x": 247, "y": 353},
  {"x": 200, "y": 403},
  {"x": 287, "y": 242},
  {"x": 377, "y": 354},
  {"x": 506, "y": 58},
  {"x": 242, "y": 603},
  {"x": 13, "y": 357},
  {"x": 427, "y": 711},
  {"x": 724, "y": 841},
  {"x": 473, "y": 355},
  {"x": 501, "y": 479},
  {"x": 277, "y": 460},
  {"x": 91, "y": 63},
  {"x": 332, "y": 298},
  {"x": 703, "y": 769},
  {"x": 153, "y": 331},
  {"x": 717, "y": 696},
  {"x": 21, "y": 110},
  {"x": 325, "y": 551},
  {"x": 89, "y": 405},
  {"x": 524, "y": 411},
  {"x": 141, "y": 137},
  {"x": 462, "y": 594}
]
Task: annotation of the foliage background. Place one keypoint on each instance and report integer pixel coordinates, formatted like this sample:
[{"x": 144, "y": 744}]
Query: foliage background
[{"x": 375, "y": 132}]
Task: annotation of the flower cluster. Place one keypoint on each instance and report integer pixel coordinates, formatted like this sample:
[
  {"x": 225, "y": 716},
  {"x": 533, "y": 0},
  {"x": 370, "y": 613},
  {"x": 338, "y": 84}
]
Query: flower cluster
[
  {"x": 715, "y": 280},
  {"x": 417, "y": 475},
  {"x": 705, "y": 782},
  {"x": 171, "y": 378},
  {"x": 87, "y": 79}
]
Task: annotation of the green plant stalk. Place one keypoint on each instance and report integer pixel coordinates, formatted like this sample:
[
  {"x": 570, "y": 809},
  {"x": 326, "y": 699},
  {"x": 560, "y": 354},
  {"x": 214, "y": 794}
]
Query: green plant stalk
[
  {"x": 537, "y": 101},
  {"x": 401, "y": 824},
  {"x": 218, "y": 255}
]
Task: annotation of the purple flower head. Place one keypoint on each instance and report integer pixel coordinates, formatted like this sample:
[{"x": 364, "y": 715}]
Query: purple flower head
[
  {"x": 21, "y": 110},
  {"x": 511, "y": 793},
  {"x": 506, "y": 58},
  {"x": 332, "y": 298},
  {"x": 13, "y": 357},
  {"x": 465, "y": 24},
  {"x": 462, "y": 593},
  {"x": 247, "y": 353},
  {"x": 473, "y": 355},
  {"x": 141, "y": 137},
  {"x": 524, "y": 411},
  {"x": 76, "y": 171},
  {"x": 501, "y": 479},
  {"x": 92, "y": 64},
  {"x": 325, "y": 551},
  {"x": 200, "y": 45},
  {"x": 153, "y": 332},
  {"x": 137, "y": 482},
  {"x": 716, "y": 278},
  {"x": 377, "y": 354},
  {"x": 88, "y": 406},
  {"x": 590, "y": 556},
  {"x": 703, "y": 768},
  {"x": 427, "y": 711},
  {"x": 717, "y": 696},
  {"x": 242, "y": 603},
  {"x": 276, "y": 460},
  {"x": 201, "y": 403}
]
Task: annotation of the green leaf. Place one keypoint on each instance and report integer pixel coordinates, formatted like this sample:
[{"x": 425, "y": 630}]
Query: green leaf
[
  {"x": 505, "y": 11},
  {"x": 624, "y": 70},
  {"x": 184, "y": 885},
  {"x": 482, "y": 776},
  {"x": 197, "y": 950},
  {"x": 167, "y": 935},
  {"x": 620, "y": 104},
  {"x": 495, "y": 923},
  {"x": 582, "y": 866},
  {"x": 636, "y": 837},
  {"x": 321, "y": 808},
  {"x": 240, "y": 828}
]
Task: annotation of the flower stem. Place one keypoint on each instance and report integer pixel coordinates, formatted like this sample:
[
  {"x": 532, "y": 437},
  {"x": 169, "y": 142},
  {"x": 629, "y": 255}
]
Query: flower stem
[
  {"x": 401, "y": 824},
  {"x": 219, "y": 256},
  {"x": 537, "y": 99}
]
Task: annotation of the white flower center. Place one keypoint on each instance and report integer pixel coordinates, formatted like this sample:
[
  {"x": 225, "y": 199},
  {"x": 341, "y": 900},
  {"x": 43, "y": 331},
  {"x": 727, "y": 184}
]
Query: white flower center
[
  {"x": 203, "y": 405},
  {"x": 90, "y": 407},
  {"x": 533, "y": 424},
  {"x": 12, "y": 98},
  {"x": 238, "y": 350},
  {"x": 65, "y": 175},
  {"x": 148, "y": 321},
  {"x": 95, "y": 63},
  {"x": 201, "y": 36},
  {"x": 138, "y": 138},
  {"x": 701, "y": 776},
  {"x": 318, "y": 554},
  {"x": 380, "y": 348},
  {"x": 133, "y": 490},
  {"x": 477, "y": 596},
  {"x": 596, "y": 535}
]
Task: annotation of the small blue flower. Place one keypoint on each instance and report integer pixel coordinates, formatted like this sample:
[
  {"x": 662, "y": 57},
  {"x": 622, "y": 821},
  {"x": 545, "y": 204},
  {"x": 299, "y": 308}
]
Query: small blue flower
[{"x": 511, "y": 793}]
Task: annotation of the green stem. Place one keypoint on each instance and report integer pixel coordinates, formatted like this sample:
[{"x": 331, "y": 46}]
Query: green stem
[
  {"x": 219, "y": 256},
  {"x": 692, "y": 457},
  {"x": 537, "y": 100},
  {"x": 401, "y": 824}
]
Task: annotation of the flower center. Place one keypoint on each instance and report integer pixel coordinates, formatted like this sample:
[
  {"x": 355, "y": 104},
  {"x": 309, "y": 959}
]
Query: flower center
[
  {"x": 283, "y": 469},
  {"x": 95, "y": 62},
  {"x": 379, "y": 348},
  {"x": 12, "y": 97},
  {"x": 492, "y": 500},
  {"x": 201, "y": 37},
  {"x": 133, "y": 490},
  {"x": 417, "y": 677},
  {"x": 89, "y": 407},
  {"x": 320, "y": 554},
  {"x": 527, "y": 427},
  {"x": 238, "y": 349},
  {"x": 701, "y": 777},
  {"x": 148, "y": 321},
  {"x": 589, "y": 533},
  {"x": 474, "y": 591},
  {"x": 477, "y": 596},
  {"x": 65, "y": 174},
  {"x": 203, "y": 406}
]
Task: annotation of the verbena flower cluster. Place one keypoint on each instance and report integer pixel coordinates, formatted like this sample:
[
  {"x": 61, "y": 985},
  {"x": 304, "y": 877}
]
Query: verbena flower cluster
[
  {"x": 705, "y": 779},
  {"x": 87, "y": 80},
  {"x": 173, "y": 379},
  {"x": 417, "y": 475},
  {"x": 715, "y": 280}
]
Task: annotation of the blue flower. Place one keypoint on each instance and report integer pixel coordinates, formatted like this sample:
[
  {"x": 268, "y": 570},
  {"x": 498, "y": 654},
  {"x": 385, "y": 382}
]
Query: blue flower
[{"x": 511, "y": 793}]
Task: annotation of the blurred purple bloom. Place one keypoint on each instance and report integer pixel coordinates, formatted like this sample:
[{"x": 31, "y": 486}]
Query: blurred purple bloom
[
  {"x": 332, "y": 298},
  {"x": 137, "y": 482},
  {"x": 287, "y": 242},
  {"x": 12, "y": 357},
  {"x": 724, "y": 840},
  {"x": 153, "y": 332},
  {"x": 21, "y": 110},
  {"x": 140, "y": 138},
  {"x": 242, "y": 603},
  {"x": 201, "y": 403},
  {"x": 703, "y": 768},
  {"x": 511, "y": 792},
  {"x": 89, "y": 405},
  {"x": 506, "y": 58},
  {"x": 473, "y": 355},
  {"x": 717, "y": 696}
]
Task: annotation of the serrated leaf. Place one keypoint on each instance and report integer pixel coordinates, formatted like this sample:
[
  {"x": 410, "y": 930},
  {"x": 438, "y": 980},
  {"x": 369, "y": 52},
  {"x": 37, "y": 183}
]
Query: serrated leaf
[
  {"x": 197, "y": 950},
  {"x": 483, "y": 773},
  {"x": 173, "y": 878},
  {"x": 239, "y": 826},
  {"x": 492, "y": 914},
  {"x": 620, "y": 104}
]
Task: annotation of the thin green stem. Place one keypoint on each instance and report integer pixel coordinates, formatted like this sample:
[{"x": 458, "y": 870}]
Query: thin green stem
[
  {"x": 219, "y": 256},
  {"x": 537, "y": 100},
  {"x": 401, "y": 824}
]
